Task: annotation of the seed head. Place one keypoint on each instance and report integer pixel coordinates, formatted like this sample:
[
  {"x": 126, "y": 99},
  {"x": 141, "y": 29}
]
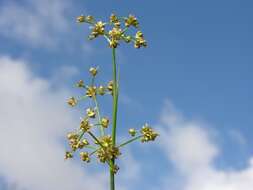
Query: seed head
[
  {"x": 68, "y": 155},
  {"x": 84, "y": 125},
  {"x": 91, "y": 91},
  {"x": 131, "y": 21},
  {"x": 101, "y": 90},
  {"x": 80, "y": 84},
  {"x": 80, "y": 19},
  {"x": 98, "y": 29}
]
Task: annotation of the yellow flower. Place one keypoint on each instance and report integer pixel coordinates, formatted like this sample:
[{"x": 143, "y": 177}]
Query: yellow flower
[
  {"x": 148, "y": 134},
  {"x": 85, "y": 156},
  {"x": 82, "y": 143},
  {"x": 139, "y": 40},
  {"x": 114, "y": 19},
  {"x": 132, "y": 132},
  {"x": 80, "y": 19},
  {"x": 68, "y": 155},
  {"x": 110, "y": 85},
  {"x": 91, "y": 91},
  {"x": 84, "y": 125},
  {"x": 101, "y": 90},
  {"x": 72, "y": 101},
  {"x": 93, "y": 71},
  {"x": 105, "y": 122},
  {"x": 80, "y": 84},
  {"x": 72, "y": 136},
  {"x": 131, "y": 21},
  {"x": 89, "y": 18},
  {"x": 98, "y": 29},
  {"x": 91, "y": 113}
]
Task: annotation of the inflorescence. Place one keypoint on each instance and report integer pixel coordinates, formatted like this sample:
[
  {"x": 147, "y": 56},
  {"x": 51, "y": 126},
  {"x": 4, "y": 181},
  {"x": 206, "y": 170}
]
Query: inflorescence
[
  {"x": 83, "y": 139},
  {"x": 113, "y": 31}
]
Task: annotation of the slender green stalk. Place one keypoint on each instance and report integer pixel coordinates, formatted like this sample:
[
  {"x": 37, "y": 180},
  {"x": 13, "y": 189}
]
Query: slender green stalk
[
  {"x": 115, "y": 109},
  {"x": 131, "y": 140},
  {"x": 102, "y": 132}
]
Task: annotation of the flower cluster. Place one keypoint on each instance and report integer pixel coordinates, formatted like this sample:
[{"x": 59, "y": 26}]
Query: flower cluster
[
  {"x": 102, "y": 145},
  {"x": 115, "y": 32},
  {"x": 91, "y": 138}
]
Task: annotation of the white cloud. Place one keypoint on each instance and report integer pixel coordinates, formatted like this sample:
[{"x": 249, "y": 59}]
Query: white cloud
[
  {"x": 33, "y": 121},
  {"x": 39, "y": 23},
  {"x": 191, "y": 148}
]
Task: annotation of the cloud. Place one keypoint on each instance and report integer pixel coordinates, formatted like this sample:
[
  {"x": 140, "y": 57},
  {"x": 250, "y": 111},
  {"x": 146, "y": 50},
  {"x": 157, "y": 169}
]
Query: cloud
[
  {"x": 37, "y": 23},
  {"x": 192, "y": 150},
  {"x": 33, "y": 121}
]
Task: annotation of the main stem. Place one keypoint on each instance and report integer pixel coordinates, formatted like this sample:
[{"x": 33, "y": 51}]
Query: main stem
[{"x": 115, "y": 109}]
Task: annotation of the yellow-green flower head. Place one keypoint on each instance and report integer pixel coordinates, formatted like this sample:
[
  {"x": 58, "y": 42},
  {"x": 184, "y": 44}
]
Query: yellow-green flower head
[
  {"x": 68, "y": 155},
  {"x": 85, "y": 156},
  {"x": 90, "y": 113},
  {"x": 105, "y": 122},
  {"x": 80, "y": 19},
  {"x": 72, "y": 101},
  {"x": 93, "y": 71},
  {"x": 131, "y": 21},
  {"x": 89, "y": 18},
  {"x": 108, "y": 153},
  {"x": 73, "y": 144},
  {"x": 80, "y": 84},
  {"x": 91, "y": 91},
  {"x": 84, "y": 125},
  {"x": 132, "y": 132},
  {"x": 98, "y": 29},
  {"x": 72, "y": 136},
  {"x": 106, "y": 141},
  {"x": 110, "y": 85},
  {"x": 139, "y": 40},
  {"x": 148, "y": 134},
  {"x": 101, "y": 90},
  {"x": 82, "y": 143},
  {"x": 85, "y": 142},
  {"x": 114, "y": 19},
  {"x": 115, "y": 36}
]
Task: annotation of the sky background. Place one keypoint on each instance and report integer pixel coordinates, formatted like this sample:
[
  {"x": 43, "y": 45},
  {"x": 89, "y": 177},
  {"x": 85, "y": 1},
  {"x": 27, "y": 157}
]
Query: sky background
[{"x": 193, "y": 83}]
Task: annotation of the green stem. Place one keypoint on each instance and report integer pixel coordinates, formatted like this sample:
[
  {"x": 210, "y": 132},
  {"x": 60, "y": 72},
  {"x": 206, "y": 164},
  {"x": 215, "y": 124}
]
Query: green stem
[
  {"x": 99, "y": 117},
  {"x": 115, "y": 109},
  {"x": 131, "y": 140}
]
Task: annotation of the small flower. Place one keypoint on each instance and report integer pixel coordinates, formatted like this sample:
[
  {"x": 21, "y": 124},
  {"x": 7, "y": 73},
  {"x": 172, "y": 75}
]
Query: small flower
[
  {"x": 93, "y": 71},
  {"x": 68, "y": 155},
  {"x": 132, "y": 132},
  {"x": 148, "y": 134},
  {"x": 72, "y": 101},
  {"x": 85, "y": 156},
  {"x": 82, "y": 143},
  {"x": 131, "y": 21},
  {"x": 114, "y": 19},
  {"x": 91, "y": 113},
  {"x": 80, "y": 84},
  {"x": 139, "y": 40},
  {"x": 106, "y": 141},
  {"x": 108, "y": 153},
  {"x": 91, "y": 91},
  {"x": 80, "y": 19},
  {"x": 98, "y": 29},
  {"x": 72, "y": 136},
  {"x": 105, "y": 122},
  {"x": 85, "y": 142},
  {"x": 89, "y": 18},
  {"x": 84, "y": 125},
  {"x": 110, "y": 85},
  {"x": 101, "y": 90}
]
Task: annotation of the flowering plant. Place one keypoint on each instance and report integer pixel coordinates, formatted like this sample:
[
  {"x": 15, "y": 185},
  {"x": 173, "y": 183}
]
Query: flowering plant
[{"x": 104, "y": 145}]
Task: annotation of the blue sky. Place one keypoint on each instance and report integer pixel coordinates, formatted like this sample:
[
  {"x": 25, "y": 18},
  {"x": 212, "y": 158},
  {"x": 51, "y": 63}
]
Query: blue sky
[{"x": 193, "y": 82}]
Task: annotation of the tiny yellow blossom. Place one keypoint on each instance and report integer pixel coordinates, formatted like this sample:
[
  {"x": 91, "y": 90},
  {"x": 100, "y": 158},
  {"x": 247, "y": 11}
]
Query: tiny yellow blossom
[
  {"x": 72, "y": 101},
  {"x": 68, "y": 155},
  {"x": 98, "y": 29},
  {"x": 91, "y": 113},
  {"x": 80, "y": 19},
  {"x": 132, "y": 132},
  {"x": 85, "y": 156},
  {"x": 80, "y": 84},
  {"x": 101, "y": 90},
  {"x": 148, "y": 134},
  {"x": 93, "y": 71},
  {"x": 105, "y": 122},
  {"x": 110, "y": 85},
  {"x": 84, "y": 125},
  {"x": 91, "y": 91},
  {"x": 131, "y": 21}
]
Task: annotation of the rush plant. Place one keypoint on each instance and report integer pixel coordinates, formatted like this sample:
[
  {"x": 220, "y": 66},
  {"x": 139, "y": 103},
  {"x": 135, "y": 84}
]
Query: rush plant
[{"x": 97, "y": 135}]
